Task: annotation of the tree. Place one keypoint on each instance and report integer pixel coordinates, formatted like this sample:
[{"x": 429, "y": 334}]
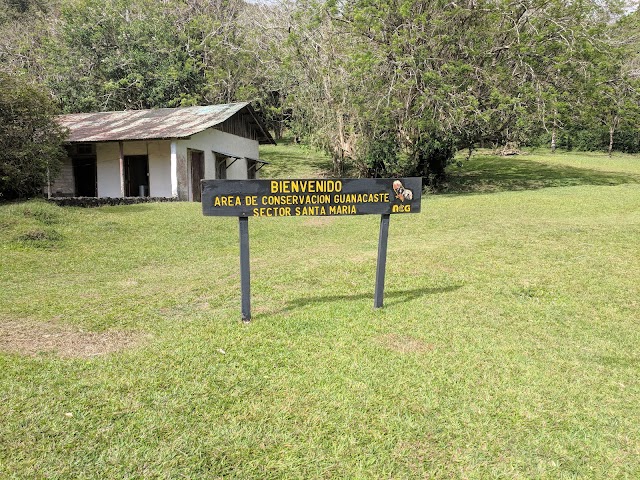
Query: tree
[
  {"x": 386, "y": 87},
  {"x": 616, "y": 104},
  {"x": 30, "y": 139},
  {"x": 609, "y": 99},
  {"x": 418, "y": 79},
  {"x": 23, "y": 26},
  {"x": 136, "y": 54},
  {"x": 620, "y": 92}
]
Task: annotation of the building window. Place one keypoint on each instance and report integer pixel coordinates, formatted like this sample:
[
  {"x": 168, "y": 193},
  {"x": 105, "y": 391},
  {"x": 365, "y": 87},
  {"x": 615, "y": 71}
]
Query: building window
[
  {"x": 251, "y": 168},
  {"x": 221, "y": 166}
]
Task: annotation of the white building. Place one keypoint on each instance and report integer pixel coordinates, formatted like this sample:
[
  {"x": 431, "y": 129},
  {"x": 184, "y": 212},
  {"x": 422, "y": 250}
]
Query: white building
[{"x": 159, "y": 153}]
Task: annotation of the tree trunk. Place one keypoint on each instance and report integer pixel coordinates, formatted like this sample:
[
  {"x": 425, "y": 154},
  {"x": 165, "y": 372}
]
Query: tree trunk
[
  {"x": 469, "y": 153},
  {"x": 611, "y": 131},
  {"x": 554, "y": 133},
  {"x": 277, "y": 127},
  {"x": 48, "y": 181}
]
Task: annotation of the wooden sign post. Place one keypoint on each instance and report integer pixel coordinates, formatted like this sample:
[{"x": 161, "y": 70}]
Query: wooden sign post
[
  {"x": 245, "y": 275},
  {"x": 310, "y": 197},
  {"x": 381, "y": 266}
]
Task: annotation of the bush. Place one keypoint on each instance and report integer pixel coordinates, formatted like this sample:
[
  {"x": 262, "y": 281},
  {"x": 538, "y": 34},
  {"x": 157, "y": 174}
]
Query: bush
[
  {"x": 381, "y": 157},
  {"x": 428, "y": 159},
  {"x": 30, "y": 139},
  {"x": 585, "y": 140},
  {"x": 432, "y": 157},
  {"x": 625, "y": 140}
]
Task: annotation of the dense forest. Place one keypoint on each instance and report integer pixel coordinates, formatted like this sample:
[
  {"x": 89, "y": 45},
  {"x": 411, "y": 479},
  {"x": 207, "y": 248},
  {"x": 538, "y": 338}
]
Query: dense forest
[{"x": 387, "y": 87}]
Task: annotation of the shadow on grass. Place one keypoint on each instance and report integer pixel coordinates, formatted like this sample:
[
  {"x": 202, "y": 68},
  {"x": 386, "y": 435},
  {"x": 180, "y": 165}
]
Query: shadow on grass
[
  {"x": 391, "y": 298},
  {"x": 486, "y": 174}
]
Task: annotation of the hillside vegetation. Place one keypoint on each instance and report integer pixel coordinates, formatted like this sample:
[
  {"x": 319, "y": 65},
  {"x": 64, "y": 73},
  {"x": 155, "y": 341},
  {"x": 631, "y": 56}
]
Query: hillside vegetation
[{"x": 384, "y": 88}]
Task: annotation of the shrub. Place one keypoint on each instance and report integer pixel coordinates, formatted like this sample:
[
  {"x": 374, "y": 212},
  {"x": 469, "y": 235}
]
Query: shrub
[
  {"x": 383, "y": 157},
  {"x": 30, "y": 139}
]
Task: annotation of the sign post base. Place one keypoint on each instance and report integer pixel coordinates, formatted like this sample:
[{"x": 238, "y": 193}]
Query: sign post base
[{"x": 378, "y": 298}]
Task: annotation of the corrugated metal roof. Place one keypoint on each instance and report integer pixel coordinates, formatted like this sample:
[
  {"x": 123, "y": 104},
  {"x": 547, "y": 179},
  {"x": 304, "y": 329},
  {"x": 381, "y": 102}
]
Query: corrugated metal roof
[{"x": 151, "y": 124}]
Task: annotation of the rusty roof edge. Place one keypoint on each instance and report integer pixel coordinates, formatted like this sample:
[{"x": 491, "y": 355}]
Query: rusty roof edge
[
  {"x": 116, "y": 125},
  {"x": 131, "y": 139},
  {"x": 219, "y": 121},
  {"x": 108, "y": 112}
]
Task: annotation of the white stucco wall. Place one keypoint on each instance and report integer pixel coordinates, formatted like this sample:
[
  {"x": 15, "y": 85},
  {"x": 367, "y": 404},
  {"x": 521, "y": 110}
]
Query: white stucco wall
[
  {"x": 159, "y": 168},
  {"x": 108, "y": 166},
  {"x": 210, "y": 141},
  {"x": 159, "y": 152},
  {"x": 108, "y": 169}
]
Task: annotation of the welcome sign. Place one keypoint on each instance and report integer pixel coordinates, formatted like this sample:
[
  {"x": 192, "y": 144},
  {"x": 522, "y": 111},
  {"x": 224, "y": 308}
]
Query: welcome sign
[{"x": 311, "y": 197}]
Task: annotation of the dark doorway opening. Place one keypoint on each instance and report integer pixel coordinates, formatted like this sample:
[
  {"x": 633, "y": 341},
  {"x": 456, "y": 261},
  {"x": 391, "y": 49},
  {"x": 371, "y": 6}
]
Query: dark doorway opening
[
  {"x": 197, "y": 174},
  {"x": 136, "y": 175},
  {"x": 85, "y": 176},
  {"x": 85, "y": 173}
]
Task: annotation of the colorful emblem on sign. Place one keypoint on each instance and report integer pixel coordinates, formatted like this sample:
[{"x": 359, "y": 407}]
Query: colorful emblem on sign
[{"x": 401, "y": 192}]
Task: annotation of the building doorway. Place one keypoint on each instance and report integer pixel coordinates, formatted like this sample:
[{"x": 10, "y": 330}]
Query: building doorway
[
  {"x": 85, "y": 172},
  {"x": 85, "y": 176},
  {"x": 136, "y": 175},
  {"x": 196, "y": 159}
]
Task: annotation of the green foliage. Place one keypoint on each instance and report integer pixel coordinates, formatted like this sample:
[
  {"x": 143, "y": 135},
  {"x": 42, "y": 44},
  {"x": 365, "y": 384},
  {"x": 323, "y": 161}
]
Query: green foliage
[
  {"x": 382, "y": 157},
  {"x": 416, "y": 80},
  {"x": 595, "y": 139},
  {"x": 30, "y": 139},
  {"x": 410, "y": 81},
  {"x": 434, "y": 154},
  {"x": 119, "y": 55},
  {"x": 132, "y": 54},
  {"x": 16, "y": 10},
  {"x": 628, "y": 140}
]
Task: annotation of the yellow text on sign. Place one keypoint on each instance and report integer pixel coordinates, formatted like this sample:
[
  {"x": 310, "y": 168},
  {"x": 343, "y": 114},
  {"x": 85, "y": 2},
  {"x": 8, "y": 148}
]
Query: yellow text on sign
[
  {"x": 234, "y": 201},
  {"x": 401, "y": 208}
]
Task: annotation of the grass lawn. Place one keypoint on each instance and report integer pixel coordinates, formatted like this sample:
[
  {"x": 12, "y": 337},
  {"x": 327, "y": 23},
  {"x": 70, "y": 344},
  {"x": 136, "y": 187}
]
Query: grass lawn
[
  {"x": 293, "y": 161},
  {"x": 507, "y": 348}
]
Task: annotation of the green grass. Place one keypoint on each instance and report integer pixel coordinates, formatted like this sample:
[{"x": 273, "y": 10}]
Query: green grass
[
  {"x": 507, "y": 348},
  {"x": 288, "y": 160},
  {"x": 483, "y": 173}
]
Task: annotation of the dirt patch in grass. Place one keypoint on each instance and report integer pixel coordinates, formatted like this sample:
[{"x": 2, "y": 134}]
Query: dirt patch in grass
[
  {"x": 38, "y": 234},
  {"x": 31, "y": 338},
  {"x": 404, "y": 343}
]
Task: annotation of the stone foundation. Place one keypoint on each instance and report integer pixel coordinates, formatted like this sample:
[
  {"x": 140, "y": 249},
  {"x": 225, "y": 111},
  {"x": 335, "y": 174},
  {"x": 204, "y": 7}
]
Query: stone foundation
[{"x": 88, "y": 202}]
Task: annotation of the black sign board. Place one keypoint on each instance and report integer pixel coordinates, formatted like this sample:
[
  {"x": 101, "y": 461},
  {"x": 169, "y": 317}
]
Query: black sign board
[{"x": 309, "y": 197}]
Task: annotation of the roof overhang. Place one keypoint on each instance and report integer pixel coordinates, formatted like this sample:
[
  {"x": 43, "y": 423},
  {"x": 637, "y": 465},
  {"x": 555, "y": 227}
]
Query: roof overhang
[
  {"x": 257, "y": 163},
  {"x": 157, "y": 124},
  {"x": 257, "y": 121}
]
